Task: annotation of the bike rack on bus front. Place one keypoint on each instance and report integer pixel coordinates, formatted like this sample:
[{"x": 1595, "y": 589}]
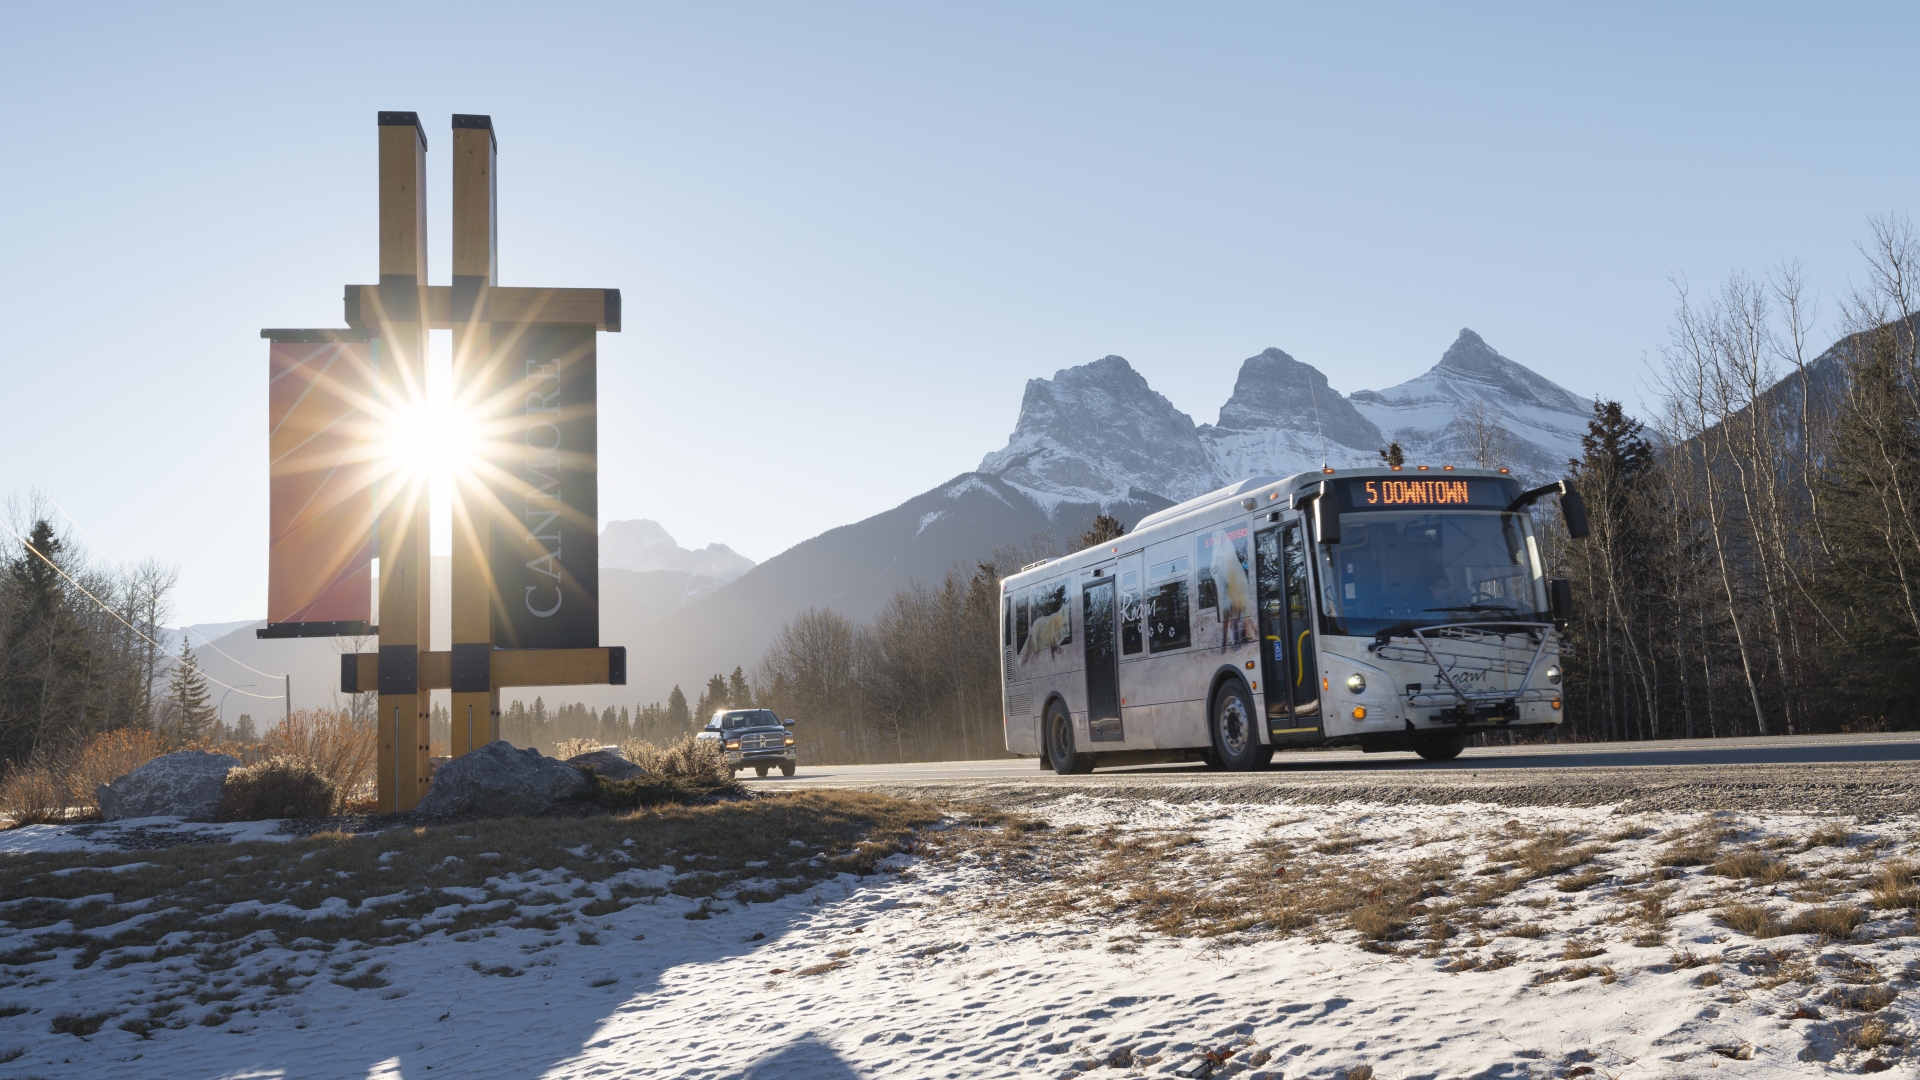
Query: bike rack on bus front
[{"x": 1453, "y": 665}]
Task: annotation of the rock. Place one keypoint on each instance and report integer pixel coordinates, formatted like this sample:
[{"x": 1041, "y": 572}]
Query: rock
[
  {"x": 608, "y": 763},
  {"x": 186, "y": 784},
  {"x": 500, "y": 781}
]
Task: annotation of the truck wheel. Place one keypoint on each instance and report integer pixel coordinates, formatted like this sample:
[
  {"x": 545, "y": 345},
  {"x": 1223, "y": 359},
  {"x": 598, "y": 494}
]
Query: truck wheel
[
  {"x": 1441, "y": 748},
  {"x": 1066, "y": 760},
  {"x": 787, "y": 769},
  {"x": 760, "y": 771},
  {"x": 1236, "y": 743}
]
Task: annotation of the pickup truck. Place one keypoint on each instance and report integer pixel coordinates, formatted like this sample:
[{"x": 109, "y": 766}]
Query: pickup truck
[{"x": 753, "y": 738}]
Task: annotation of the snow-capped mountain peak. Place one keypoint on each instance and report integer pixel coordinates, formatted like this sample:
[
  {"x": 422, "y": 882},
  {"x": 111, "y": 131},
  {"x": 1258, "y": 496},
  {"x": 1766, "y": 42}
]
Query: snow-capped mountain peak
[
  {"x": 1093, "y": 432},
  {"x": 1098, "y": 433}
]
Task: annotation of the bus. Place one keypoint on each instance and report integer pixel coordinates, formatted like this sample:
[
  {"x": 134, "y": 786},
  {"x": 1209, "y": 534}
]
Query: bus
[{"x": 1389, "y": 608}]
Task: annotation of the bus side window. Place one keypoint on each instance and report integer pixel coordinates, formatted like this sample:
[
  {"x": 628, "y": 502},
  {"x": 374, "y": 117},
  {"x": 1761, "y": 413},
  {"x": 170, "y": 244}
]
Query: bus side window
[
  {"x": 1168, "y": 625},
  {"x": 1006, "y": 619},
  {"x": 1130, "y": 641},
  {"x": 1020, "y": 619}
]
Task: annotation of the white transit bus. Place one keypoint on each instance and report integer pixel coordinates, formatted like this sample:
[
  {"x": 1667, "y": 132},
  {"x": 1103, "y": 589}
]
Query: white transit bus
[{"x": 1389, "y": 608}]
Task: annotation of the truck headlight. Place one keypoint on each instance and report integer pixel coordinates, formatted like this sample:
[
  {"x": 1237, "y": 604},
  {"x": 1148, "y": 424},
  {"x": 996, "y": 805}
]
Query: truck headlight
[
  {"x": 1357, "y": 683},
  {"x": 733, "y": 746},
  {"x": 789, "y": 742},
  {"x": 1553, "y": 674}
]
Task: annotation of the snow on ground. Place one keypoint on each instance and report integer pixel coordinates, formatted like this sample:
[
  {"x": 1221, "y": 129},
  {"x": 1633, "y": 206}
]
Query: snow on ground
[
  {"x": 128, "y": 833},
  {"x": 995, "y": 955}
]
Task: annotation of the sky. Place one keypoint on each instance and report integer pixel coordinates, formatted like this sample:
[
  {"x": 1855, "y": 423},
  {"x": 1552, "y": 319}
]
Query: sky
[{"x": 847, "y": 235}]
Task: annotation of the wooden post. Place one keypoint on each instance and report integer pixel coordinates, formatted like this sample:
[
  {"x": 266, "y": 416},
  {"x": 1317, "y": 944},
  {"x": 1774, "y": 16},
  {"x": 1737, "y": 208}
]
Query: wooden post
[
  {"x": 476, "y": 703},
  {"x": 403, "y": 501}
]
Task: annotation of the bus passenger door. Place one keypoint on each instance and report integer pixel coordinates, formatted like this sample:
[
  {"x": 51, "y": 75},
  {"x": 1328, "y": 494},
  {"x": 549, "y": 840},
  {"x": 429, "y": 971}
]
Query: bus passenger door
[
  {"x": 1286, "y": 655},
  {"x": 1103, "y": 675},
  {"x": 1306, "y": 668}
]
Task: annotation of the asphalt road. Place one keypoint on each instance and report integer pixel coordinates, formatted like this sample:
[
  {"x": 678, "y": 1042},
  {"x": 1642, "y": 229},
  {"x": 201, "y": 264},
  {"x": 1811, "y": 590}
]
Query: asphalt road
[{"x": 1868, "y": 775}]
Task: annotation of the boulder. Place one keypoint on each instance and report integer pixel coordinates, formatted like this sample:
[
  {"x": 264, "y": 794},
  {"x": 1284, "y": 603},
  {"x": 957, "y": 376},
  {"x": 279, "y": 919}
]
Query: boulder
[
  {"x": 186, "y": 784},
  {"x": 500, "y": 781},
  {"x": 607, "y": 762}
]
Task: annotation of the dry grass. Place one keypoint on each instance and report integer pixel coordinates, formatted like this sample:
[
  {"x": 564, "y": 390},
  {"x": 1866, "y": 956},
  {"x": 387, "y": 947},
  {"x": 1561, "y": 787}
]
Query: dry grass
[
  {"x": 1755, "y": 866},
  {"x": 1753, "y": 920},
  {"x": 1832, "y": 834},
  {"x": 1872, "y": 1034},
  {"x": 1871, "y": 998},
  {"x": 1894, "y": 887}
]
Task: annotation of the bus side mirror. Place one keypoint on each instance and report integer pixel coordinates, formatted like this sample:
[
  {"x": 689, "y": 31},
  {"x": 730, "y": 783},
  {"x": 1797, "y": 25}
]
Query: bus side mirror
[
  {"x": 1560, "y": 599},
  {"x": 1573, "y": 509},
  {"x": 1326, "y": 516}
]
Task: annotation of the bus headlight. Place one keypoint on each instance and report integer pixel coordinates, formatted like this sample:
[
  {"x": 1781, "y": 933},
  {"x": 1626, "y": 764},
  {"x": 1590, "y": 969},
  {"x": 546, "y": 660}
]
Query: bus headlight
[
  {"x": 1357, "y": 683},
  {"x": 1553, "y": 674}
]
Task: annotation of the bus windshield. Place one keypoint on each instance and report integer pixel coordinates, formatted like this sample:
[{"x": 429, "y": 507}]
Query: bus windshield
[{"x": 1405, "y": 569}]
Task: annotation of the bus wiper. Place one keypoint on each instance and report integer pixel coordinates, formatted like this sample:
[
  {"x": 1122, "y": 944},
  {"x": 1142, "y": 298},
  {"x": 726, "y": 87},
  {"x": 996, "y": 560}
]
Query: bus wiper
[{"x": 1476, "y": 607}]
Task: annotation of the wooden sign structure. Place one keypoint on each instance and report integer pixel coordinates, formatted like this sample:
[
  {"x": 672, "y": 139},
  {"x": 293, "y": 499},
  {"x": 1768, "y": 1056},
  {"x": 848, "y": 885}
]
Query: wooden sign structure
[{"x": 525, "y": 608}]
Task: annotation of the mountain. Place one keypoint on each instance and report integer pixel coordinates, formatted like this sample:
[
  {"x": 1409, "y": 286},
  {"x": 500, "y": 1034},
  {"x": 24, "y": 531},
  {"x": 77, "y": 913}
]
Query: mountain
[
  {"x": 643, "y": 545},
  {"x": 1098, "y": 432},
  {"x": 1542, "y": 422}
]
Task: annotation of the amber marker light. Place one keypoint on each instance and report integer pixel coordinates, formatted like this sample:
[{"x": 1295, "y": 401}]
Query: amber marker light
[
  {"x": 1326, "y": 469},
  {"x": 1359, "y": 712},
  {"x": 1422, "y": 468},
  {"x": 1556, "y": 704},
  {"x": 1503, "y": 471},
  {"x": 1446, "y": 468},
  {"x": 1249, "y": 665}
]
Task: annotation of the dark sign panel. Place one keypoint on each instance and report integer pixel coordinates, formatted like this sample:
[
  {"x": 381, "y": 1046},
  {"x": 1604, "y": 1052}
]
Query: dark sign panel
[
  {"x": 546, "y": 548},
  {"x": 320, "y": 505},
  {"x": 1428, "y": 493}
]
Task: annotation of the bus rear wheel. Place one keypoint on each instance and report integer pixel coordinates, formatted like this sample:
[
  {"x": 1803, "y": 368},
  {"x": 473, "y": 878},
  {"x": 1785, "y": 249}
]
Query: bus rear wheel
[
  {"x": 1236, "y": 743},
  {"x": 1066, "y": 760},
  {"x": 1441, "y": 748}
]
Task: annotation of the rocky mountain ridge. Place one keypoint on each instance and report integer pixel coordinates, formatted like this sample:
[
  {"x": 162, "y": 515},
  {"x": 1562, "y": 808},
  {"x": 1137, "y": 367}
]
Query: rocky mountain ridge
[{"x": 1099, "y": 433}]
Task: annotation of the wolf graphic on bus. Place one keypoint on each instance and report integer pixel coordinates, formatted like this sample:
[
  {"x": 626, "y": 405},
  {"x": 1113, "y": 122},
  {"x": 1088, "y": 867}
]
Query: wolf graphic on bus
[{"x": 1224, "y": 586}]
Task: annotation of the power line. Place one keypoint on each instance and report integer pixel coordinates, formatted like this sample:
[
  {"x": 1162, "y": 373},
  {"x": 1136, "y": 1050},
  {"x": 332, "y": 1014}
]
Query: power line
[
  {"x": 109, "y": 610},
  {"x": 184, "y": 631}
]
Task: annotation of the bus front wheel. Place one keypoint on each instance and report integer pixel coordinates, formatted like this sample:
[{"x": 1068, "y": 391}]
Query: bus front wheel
[
  {"x": 1442, "y": 748},
  {"x": 1236, "y": 742},
  {"x": 1066, "y": 760}
]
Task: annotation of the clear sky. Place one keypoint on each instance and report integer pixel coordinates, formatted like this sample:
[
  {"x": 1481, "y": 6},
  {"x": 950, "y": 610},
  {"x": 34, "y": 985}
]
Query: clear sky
[{"x": 847, "y": 235}]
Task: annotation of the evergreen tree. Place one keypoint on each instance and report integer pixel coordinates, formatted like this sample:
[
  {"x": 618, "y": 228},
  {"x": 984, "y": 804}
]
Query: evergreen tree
[
  {"x": 243, "y": 731},
  {"x": 1393, "y": 455},
  {"x": 187, "y": 696},
  {"x": 43, "y": 671},
  {"x": 678, "y": 719},
  {"x": 739, "y": 694},
  {"x": 1872, "y": 504},
  {"x": 1105, "y": 529},
  {"x": 712, "y": 699}
]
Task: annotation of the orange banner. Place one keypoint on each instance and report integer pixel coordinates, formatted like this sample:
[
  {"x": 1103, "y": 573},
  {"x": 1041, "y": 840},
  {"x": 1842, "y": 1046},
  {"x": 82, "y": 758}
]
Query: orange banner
[{"x": 320, "y": 539}]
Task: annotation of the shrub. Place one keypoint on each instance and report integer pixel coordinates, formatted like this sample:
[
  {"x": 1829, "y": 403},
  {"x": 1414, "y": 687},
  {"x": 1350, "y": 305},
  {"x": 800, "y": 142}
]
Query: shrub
[
  {"x": 34, "y": 795},
  {"x": 575, "y": 747},
  {"x": 277, "y": 788},
  {"x": 1832, "y": 923},
  {"x": 686, "y": 757},
  {"x": 109, "y": 756},
  {"x": 331, "y": 741}
]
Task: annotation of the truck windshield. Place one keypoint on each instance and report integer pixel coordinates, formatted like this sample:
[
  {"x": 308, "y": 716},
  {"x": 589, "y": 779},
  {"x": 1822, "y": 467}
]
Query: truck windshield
[
  {"x": 1410, "y": 569},
  {"x": 747, "y": 718}
]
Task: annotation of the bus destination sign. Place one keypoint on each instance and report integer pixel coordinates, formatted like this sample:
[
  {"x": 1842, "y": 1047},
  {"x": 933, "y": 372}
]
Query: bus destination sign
[{"x": 1459, "y": 493}]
